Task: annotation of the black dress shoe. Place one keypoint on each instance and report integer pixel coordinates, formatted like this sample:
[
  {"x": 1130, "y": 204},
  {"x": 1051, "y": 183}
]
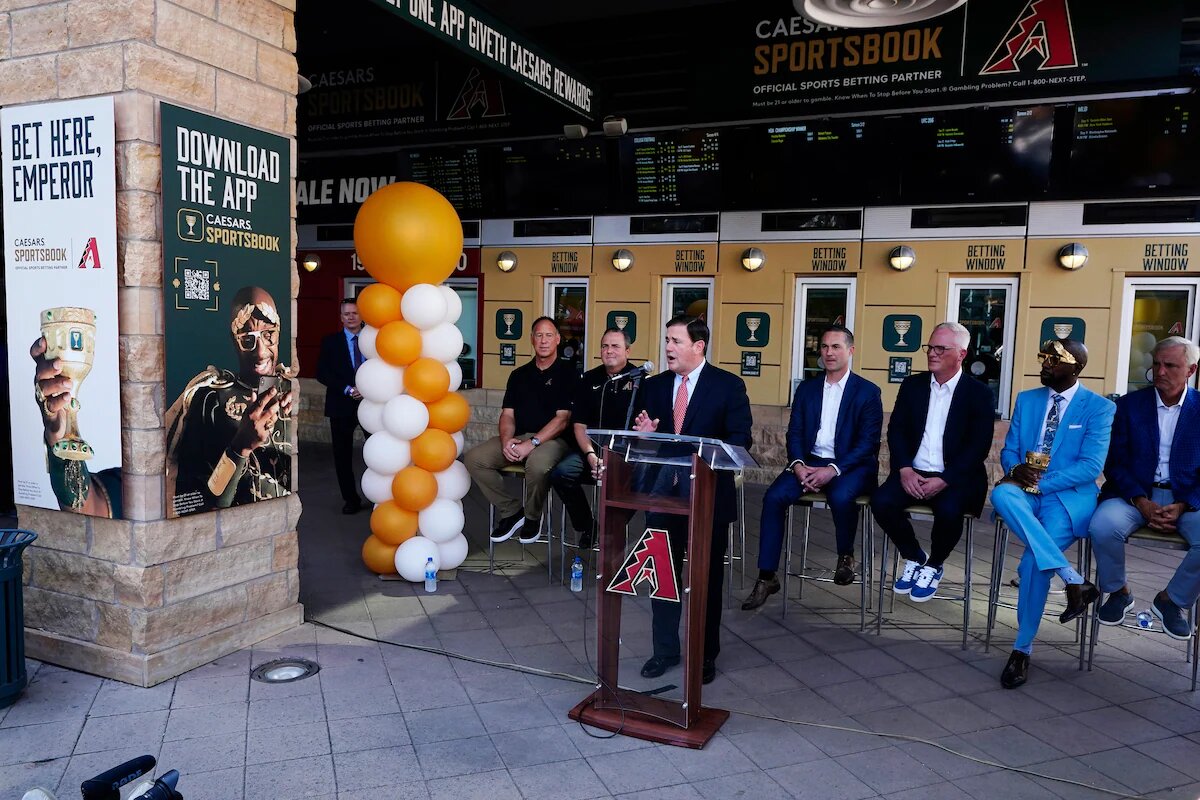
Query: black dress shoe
[
  {"x": 709, "y": 673},
  {"x": 763, "y": 588},
  {"x": 352, "y": 507},
  {"x": 844, "y": 574},
  {"x": 657, "y": 665},
  {"x": 1016, "y": 671},
  {"x": 1079, "y": 597}
]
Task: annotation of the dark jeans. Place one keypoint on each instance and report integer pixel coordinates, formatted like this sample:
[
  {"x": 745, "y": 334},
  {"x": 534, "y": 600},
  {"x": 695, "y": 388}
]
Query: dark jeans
[
  {"x": 341, "y": 434},
  {"x": 949, "y": 505},
  {"x": 568, "y": 479}
]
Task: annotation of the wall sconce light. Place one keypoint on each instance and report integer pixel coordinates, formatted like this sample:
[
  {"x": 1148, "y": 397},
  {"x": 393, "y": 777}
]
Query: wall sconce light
[
  {"x": 507, "y": 261},
  {"x": 902, "y": 257},
  {"x": 311, "y": 262},
  {"x": 1072, "y": 256},
  {"x": 753, "y": 259},
  {"x": 622, "y": 260}
]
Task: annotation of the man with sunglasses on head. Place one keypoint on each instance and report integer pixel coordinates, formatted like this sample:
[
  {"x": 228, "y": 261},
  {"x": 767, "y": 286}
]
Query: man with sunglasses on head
[
  {"x": 939, "y": 437},
  {"x": 1052, "y": 457}
]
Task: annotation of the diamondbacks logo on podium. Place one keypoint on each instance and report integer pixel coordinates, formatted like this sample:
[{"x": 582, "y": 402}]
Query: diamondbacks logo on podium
[
  {"x": 91, "y": 255},
  {"x": 1043, "y": 27},
  {"x": 650, "y": 562}
]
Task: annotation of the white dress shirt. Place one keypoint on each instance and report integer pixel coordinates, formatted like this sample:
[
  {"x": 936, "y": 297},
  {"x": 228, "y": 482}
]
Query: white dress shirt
[
  {"x": 1168, "y": 418},
  {"x": 1067, "y": 395},
  {"x": 691, "y": 384},
  {"x": 930, "y": 455},
  {"x": 831, "y": 403}
]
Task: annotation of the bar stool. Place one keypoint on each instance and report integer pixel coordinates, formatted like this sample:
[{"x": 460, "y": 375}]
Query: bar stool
[
  {"x": 545, "y": 531},
  {"x": 808, "y": 502},
  {"x": 564, "y": 545},
  {"x": 1146, "y": 537},
  {"x": 1083, "y": 562},
  {"x": 922, "y": 512}
]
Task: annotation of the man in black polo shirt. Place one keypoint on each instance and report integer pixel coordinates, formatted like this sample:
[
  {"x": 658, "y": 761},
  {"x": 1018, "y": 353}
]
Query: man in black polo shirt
[
  {"x": 535, "y": 413},
  {"x": 602, "y": 400}
]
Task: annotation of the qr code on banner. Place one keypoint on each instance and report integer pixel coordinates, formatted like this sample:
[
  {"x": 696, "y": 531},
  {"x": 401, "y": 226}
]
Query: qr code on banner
[{"x": 195, "y": 284}]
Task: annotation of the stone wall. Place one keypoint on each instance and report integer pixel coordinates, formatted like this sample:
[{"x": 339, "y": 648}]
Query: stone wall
[{"x": 145, "y": 598}]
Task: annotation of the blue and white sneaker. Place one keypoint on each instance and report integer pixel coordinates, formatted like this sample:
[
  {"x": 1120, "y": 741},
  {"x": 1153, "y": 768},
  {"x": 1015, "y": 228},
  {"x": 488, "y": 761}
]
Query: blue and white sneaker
[
  {"x": 1175, "y": 623},
  {"x": 904, "y": 583},
  {"x": 926, "y": 584}
]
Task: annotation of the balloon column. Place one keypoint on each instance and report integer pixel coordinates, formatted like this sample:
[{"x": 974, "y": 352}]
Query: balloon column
[{"x": 409, "y": 238}]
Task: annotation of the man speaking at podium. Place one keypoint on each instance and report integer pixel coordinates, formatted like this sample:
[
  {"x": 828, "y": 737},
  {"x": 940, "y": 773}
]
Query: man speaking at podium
[{"x": 694, "y": 398}]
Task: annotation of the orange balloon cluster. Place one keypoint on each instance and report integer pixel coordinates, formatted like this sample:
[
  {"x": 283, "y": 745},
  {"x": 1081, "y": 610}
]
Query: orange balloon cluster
[
  {"x": 407, "y": 233},
  {"x": 398, "y": 343}
]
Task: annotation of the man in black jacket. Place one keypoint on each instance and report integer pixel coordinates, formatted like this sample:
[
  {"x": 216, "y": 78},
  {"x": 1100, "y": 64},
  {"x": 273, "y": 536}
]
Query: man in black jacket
[{"x": 340, "y": 358}]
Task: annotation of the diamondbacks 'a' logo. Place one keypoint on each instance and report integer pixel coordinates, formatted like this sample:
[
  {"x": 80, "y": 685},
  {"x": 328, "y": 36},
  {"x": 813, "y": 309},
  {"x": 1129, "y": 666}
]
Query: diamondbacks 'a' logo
[
  {"x": 90, "y": 256},
  {"x": 478, "y": 94},
  {"x": 1043, "y": 27},
  {"x": 649, "y": 561}
]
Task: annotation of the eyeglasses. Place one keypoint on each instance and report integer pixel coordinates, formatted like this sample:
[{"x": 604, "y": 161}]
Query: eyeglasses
[
  {"x": 937, "y": 349},
  {"x": 248, "y": 340}
]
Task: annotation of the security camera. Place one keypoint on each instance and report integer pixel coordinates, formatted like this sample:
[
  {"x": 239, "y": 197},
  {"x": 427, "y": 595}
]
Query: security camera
[
  {"x": 575, "y": 131},
  {"x": 615, "y": 126}
]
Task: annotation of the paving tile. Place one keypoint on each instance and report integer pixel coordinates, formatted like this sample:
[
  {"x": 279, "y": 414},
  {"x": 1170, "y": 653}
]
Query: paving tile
[
  {"x": 683, "y": 792},
  {"x": 286, "y": 780},
  {"x": 432, "y": 693},
  {"x": 888, "y": 770},
  {"x": 277, "y": 712},
  {"x": 1170, "y": 714},
  {"x": 1133, "y": 769},
  {"x": 820, "y": 780},
  {"x": 371, "y": 767},
  {"x": 839, "y": 736},
  {"x": 530, "y": 747},
  {"x": 53, "y": 696},
  {"x": 1011, "y": 746},
  {"x": 938, "y": 791},
  {"x": 775, "y": 748},
  {"x": 567, "y": 780},
  {"x": 514, "y": 715},
  {"x": 38, "y": 742},
  {"x": 221, "y": 784},
  {"x": 958, "y": 715},
  {"x": 820, "y": 671},
  {"x": 872, "y": 663},
  {"x": 1178, "y": 753},
  {"x": 15, "y": 779},
  {"x": 911, "y": 688},
  {"x": 143, "y": 729},
  {"x": 291, "y": 741},
  {"x": 1065, "y": 697},
  {"x": 1008, "y": 785},
  {"x": 189, "y": 723},
  {"x": 204, "y": 754},
  {"x": 115, "y": 697},
  {"x": 1072, "y": 771},
  {"x": 211, "y": 691},
  {"x": 1010, "y": 706},
  {"x": 88, "y": 765},
  {"x": 443, "y": 724},
  {"x": 1069, "y": 737},
  {"x": 950, "y": 757},
  {"x": 747, "y": 785},
  {"x": 594, "y": 741},
  {"x": 365, "y": 701},
  {"x": 800, "y": 705},
  {"x": 383, "y": 730},
  {"x": 901, "y": 721},
  {"x": 458, "y": 757},
  {"x": 718, "y": 758},
  {"x": 784, "y": 648},
  {"x": 495, "y": 785},
  {"x": 1124, "y": 726},
  {"x": 634, "y": 771},
  {"x": 236, "y": 663}
]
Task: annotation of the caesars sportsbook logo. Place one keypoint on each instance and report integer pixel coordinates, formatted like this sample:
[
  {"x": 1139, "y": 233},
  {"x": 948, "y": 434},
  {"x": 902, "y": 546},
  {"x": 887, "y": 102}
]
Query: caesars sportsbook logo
[{"x": 1043, "y": 27}]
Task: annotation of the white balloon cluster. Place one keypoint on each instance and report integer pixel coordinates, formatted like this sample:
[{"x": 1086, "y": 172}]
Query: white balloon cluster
[{"x": 394, "y": 418}]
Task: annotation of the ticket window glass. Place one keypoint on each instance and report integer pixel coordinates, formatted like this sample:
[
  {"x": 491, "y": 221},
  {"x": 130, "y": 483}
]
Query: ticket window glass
[
  {"x": 1150, "y": 311},
  {"x": 820, "y": 302},
  {"x": 988, "y": 310},
  {"x": 566, "y": 303},
  {"x": 690, "y": 296}
]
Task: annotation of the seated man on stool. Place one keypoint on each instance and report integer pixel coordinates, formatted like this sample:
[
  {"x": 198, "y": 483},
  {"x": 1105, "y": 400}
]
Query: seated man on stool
[
  {"x": 1152, "y": 479},
  {"x": 833, "y": 444},
  {"x": 939, "y": 436},
  {"x": 1048, "y": 507}
]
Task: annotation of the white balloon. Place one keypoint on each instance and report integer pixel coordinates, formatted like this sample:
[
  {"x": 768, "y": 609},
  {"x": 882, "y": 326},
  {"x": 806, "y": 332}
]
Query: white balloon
[
  {"x": 454, "y": 481},
  {"x": 441, "y": 520},
  {"x": 453, "y": 304},
  {"x": 366, "y": 341},
  {"x": 460, "y": 441},
  {"x": 455, "y": 374},
  {"x": 379, "y": 381},
  {"x": 370, "y": 416},
  {"x": 412, "y": 555},
  {"x": 377, "y": 487},
  {"x": 405, "y": 417},
  {"x": 423, "y": 306},
  {"x": 386, "y": 454},
  {"x": 443, "y": 342},
  {"x": 453, "y": 553}
]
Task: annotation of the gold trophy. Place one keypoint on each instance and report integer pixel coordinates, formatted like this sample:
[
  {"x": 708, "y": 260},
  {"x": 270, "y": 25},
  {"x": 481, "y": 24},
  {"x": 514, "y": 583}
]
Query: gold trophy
[
  {"x": 70, "y": 334},
  {"x": 1037, "y": 460}
]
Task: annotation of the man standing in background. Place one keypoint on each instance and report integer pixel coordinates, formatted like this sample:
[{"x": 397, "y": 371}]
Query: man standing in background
[{"x": 340, "y": 358}]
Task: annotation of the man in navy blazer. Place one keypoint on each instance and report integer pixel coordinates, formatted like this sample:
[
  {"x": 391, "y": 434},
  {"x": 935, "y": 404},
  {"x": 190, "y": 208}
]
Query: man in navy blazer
[
  {"x": 694, "y": 398},
  {"x": 833, "y": 447},
  {"x": 1153, "y": 479},
  {"x": 339, "y": 359},
  {"x": 939, "y": 437},
  {"x": 1049, "y": 507}
]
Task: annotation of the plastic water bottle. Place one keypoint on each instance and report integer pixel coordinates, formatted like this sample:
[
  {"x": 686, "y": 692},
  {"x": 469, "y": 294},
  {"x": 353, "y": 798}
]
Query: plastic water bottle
[
  {"x": 577, "y": 575},
  {"x": 430, "y": 575},
  {"x": 1145, "y": 619}
]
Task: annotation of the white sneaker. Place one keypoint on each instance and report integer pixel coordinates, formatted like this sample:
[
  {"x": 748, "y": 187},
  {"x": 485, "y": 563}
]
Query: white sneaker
[
  {"x": 925, "y": 587},
  {"x": 907, "y": 579}
]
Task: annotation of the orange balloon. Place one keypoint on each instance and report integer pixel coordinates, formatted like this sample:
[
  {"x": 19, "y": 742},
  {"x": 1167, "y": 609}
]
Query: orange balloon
[
  {"x": 379, "y": 557},
  {"x": 379, "y": 304},
  {"x": 406, "y": 233},
  {"x": 414, "y": 488},
  {"x": 450, "y": 414},
  {"x": 399, "y": 343},
  {"x": 434, "y": 450},
  {"x": 427, "y": 380},
  {"x": 392, "y": 524}
]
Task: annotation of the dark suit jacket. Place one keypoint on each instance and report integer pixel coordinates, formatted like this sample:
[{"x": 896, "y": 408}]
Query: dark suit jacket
[
  {"x": 967, "y": 439},
  {"x": 1133, "y": 451},
  {"x": 336, "y": 371},
  {"x": 859, "y": 423},
  {"x": 719, "y": 409}
]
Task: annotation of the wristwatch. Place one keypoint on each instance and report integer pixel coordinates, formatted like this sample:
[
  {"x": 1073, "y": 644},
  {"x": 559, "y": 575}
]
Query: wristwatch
[{"x": 536, "y": 441}]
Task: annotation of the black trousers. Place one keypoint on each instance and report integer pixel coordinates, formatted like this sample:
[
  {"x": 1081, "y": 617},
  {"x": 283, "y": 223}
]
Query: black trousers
[
  {"x": 888, "y": 504},
  {"x": 341, "y": 433}
]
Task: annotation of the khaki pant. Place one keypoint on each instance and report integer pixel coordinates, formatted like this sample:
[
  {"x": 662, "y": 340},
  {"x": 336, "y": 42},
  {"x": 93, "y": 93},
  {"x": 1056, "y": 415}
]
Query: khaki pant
[{"x": 485, "y": 461}]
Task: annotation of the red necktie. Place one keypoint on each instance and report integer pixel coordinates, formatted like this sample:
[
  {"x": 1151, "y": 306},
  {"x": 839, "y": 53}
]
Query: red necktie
[{"x": 681, "y": 403}]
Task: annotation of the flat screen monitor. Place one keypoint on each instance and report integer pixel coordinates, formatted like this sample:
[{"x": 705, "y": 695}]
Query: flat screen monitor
[
  {"x": 671, "y": 171},
  {"x": 456, "y": 172},
  {"x": 550, "y": 176}
]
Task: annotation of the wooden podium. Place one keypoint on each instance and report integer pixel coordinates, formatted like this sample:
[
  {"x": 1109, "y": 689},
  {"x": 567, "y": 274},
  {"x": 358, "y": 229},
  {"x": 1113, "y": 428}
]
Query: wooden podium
[{"x": 624, "y": 490}]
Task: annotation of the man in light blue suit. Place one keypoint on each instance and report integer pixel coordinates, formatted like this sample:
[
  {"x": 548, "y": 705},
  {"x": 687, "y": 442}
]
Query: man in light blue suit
[{"x": 1049, "y": 508}]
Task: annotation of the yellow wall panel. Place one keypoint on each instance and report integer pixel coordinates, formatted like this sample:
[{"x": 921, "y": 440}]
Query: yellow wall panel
[
  {"x": 1096, "y": 337},
  {"x": 882, "y": 285},
  {"x": 764, "y": 390},
  {"x": 646, "y": 344},
  {"x": 868, "y": 339},
  {"x": 727, "y": 345}
]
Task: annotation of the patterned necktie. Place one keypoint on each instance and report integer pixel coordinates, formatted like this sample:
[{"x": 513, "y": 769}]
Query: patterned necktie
[
  {"x": 681, "y": 403},
  {"x": 1051, "y": 423},
  {"x": 358, "y": 356}
]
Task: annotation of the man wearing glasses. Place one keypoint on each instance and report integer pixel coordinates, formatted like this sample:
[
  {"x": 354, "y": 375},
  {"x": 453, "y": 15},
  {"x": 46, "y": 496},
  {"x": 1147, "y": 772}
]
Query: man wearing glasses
[
  {"x": 939, "y": 436},
  {"x": 229, "y": 436},
  {"x": 1053, "y": 454}
]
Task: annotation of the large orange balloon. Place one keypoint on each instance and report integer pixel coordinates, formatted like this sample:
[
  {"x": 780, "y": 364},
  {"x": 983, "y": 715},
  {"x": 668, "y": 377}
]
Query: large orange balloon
[
  {"x": 379, "y": 304},
  {"x": 427, "y": 380},
  {"x": 399, "y": 343},
  {"x": 406, "y": 233},
  {"x": 450, "y": 414},
  {"x": 414, "y": 488},
  {"x": 434, "y": 450},
  {"x": 379, "y": 557},
  {"x": 392, "y": 524}
]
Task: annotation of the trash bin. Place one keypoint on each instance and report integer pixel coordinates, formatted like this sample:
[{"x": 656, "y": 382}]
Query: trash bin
[{"x": 12, "y": 615}]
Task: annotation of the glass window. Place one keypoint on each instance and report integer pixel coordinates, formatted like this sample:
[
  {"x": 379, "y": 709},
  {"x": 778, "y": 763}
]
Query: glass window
[
  {"x": 467, "y": 290},
  {"x": 820, "y": 302},
  {"x": 1152, "y": 310},
  {"x": 987, "y": 309},
  {"x": 566, "y": 302},
  {"x": 690, "y": 296}
]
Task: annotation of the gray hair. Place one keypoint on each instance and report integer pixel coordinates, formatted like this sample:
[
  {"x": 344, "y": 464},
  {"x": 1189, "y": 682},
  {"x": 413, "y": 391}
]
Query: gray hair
[
  {"x": 1190, "y": 351},
  {"x": 962, "y": 336}
]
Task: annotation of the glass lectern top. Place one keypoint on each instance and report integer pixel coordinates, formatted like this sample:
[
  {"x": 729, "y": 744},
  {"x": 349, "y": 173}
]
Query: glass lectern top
[{"x": 672, "y": 448}]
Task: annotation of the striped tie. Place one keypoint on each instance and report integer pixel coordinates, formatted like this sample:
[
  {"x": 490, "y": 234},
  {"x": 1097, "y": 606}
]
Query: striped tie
[{"x": 681, "y": 403}]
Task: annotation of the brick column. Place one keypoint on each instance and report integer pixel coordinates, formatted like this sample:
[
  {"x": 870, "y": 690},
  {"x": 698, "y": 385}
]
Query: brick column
[{"x": 145, "y": 598}]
